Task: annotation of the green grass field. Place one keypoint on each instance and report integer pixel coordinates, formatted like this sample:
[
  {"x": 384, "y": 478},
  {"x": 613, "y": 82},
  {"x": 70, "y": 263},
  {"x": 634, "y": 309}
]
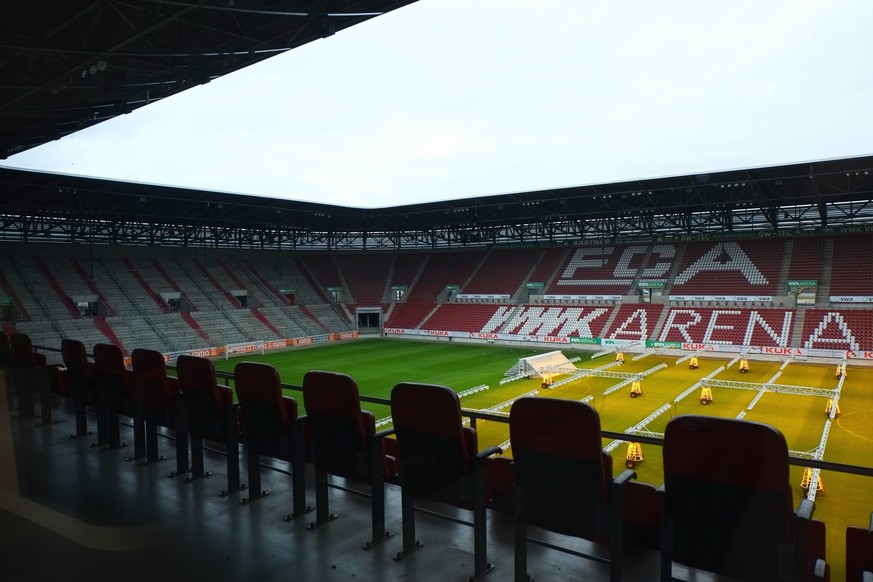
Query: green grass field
[{"x": 378, "y": 364}]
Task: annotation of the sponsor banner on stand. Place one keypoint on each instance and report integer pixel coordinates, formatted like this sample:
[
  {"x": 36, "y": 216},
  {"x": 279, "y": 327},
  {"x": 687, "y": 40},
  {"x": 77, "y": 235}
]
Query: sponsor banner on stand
[
  {"x": 851, "y": 298},
  {"x": 593, "y": 341},
  {"x": 664, "y": 345},
  {"x": 617, "y": 342},
  {"x": 485, "y": 336},
  {"x": 740, "y": 298},
  {"x": 494, "y": 296},
  {"x": 582, "y": 297}
]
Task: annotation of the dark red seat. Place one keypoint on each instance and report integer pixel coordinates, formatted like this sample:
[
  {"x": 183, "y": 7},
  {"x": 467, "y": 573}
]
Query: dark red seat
[
  {"x": 439, "y": 461},
  {"x": 859, "y": 553},
  {"x": 30, "y": 374},
  {"x": 728, "y": 507},
  {"x": 115, "y": 396},
  {"x": 345, "y": 443},
  {"x": 79, "y": 380},
  {"x": 210, "y": 414},
  {"x": 563, "y": 479},
  {"x": 270, "y": 428},
  {"x": 156, "y": 400},
  {"x": 5, "y": 351},
  {"x": 6, "y": 367}
]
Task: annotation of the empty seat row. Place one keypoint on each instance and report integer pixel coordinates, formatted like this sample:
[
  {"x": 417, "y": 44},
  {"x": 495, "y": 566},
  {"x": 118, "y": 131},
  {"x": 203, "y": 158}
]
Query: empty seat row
[{"x": 559, "y": 478}]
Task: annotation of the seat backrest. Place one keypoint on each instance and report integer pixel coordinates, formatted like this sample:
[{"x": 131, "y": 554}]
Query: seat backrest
[
  {"x": 76, "y": 358},
  {"x": 340, "y": 429},
  {"x": 562, "y": 474},
  {"x": 79, "y": 371},
  {"x": 23, "y": 355},
  {"x": 859, "y": 551},
  {"x": 730, "y": 479},
  {"x": 150, "y": 378},
  {"x": 205, "y": 401},
  {"x": 111, "y": 377},
  {"x": 197, "y": 374},
  {"x": 108, "y": 359},
  {"x": 266, "y": 414},
  {"x": 436, "y": 450}
]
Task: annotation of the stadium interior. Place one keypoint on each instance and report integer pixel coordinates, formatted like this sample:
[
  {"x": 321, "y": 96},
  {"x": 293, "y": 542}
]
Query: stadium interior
[{"x": 752, "y": 263}]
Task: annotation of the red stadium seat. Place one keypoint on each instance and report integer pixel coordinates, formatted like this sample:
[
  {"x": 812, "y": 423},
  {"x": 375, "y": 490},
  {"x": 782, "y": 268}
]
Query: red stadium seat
[
  {"x": 115, "y": 395},
  {"x": 209, "y": 414},
  {"x": 5, "y": 351},
  {"x": 563, "y": 479},
  {"x": 157, "y": 396},
  {"x": 270, "y": 427},
  {"x": 859, "y": 553},
  {"x": 439, "y": 461},
  {"x": 80, "y": 381},
  {"x": 30, "y": 374},
  {"x": 727, "y": 504},
  {"x": 345, "y": 443}
]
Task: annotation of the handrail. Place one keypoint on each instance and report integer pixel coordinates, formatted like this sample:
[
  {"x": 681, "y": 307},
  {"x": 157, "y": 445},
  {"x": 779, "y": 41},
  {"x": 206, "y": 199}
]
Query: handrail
[{"x": 482, "y": 415}]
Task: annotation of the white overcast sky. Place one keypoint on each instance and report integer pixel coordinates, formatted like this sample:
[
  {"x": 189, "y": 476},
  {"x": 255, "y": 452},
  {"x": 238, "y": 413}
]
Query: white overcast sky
[{"x": 447, "y": 99}]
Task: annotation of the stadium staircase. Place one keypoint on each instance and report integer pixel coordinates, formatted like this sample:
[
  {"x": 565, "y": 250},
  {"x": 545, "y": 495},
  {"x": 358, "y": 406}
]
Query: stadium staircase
[
  {"x": 162, "y": 271},
  {"x": 29, "y": 292},
  {"x": 251, "y": 299},
  {"x": 430, "y": 313},
  {"x": 269, "y": 324},
  {"x": 312, "y": 316},
  {"x": 785, "y": 272},
  {"x": 144, "y": 284},
  {"x": 550, "y": 264},
  {"x": 643, "y": 266},
  {"x": 101, "y": 324},
  {"x": 677, "y": 264},
  {"x": 195, "y": 326},
  {"x": 227, "y": 294},
  {"x": 89, "y": 282},
  {"x": 421, "y": 267},
  {"x": 522, "y": 287},
  {"x": 265, "y": 284},
  {"x": 386, "y": 290},
  {"x": 797, "y": 331},
  {"x": 823, "y": 291},
  {"x": 311, "y": 279},
  {"x": 56, "y": 287},
  {"x": 659, "y": 325},
  {"x": 9, "y": 290},
  {"x": 613, "y": 313}
]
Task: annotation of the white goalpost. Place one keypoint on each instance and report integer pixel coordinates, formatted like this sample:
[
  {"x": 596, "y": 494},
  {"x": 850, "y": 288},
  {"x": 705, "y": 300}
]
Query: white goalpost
[{"x": 244, "y": 348}]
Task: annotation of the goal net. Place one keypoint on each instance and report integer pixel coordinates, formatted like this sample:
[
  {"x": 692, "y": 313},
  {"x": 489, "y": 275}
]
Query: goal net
[
  {"x": 542, "y": 366},
  {"x": 244, "y": 348}
]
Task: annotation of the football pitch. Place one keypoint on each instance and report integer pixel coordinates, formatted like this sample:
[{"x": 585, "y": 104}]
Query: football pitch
[{"x": 378, "y": 364}]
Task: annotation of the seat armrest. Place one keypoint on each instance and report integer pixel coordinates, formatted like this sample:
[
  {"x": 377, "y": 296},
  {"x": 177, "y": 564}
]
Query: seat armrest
[
  {"x": 821, "y": 571},
  {"x": 487, "y": 452},
  {"x": 805, "y": 509},
  {"x": 383, "y": 433},
  {"x": 624, "y": 477}
]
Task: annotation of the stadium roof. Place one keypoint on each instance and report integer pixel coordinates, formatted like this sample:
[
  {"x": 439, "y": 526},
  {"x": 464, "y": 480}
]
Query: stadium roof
[
  {"x": 67, "y": 65},
  {"x": 805, "y": 196}
]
